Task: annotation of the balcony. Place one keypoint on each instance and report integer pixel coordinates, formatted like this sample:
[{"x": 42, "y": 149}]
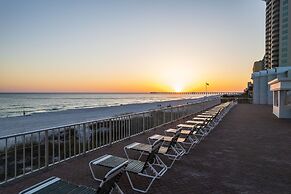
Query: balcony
[{"x": 246, "y": 152}]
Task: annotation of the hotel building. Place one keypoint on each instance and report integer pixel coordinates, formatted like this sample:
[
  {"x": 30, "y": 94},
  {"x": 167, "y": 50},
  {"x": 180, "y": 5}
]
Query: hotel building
[{"x": 278, "y": 28}]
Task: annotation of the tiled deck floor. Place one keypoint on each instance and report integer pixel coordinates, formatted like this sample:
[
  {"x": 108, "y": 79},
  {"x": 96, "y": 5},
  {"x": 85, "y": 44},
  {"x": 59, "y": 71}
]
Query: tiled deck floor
[{"x": 248, "y": 152}]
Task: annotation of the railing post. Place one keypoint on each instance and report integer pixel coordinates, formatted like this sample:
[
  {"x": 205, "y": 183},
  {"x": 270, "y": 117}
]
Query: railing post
[
  {"x": 110, "y": 131},
  {"x": 171, "y": 114},
  {"x": 59, "y": 144},
  {"x": 143, "y": 123},
  {"x": 74, "y": 140},
  {"x": 70, "y": 147},
  {"x": 65, "y": 144},
  {"x": 183, "y": 110},
  {"x": 46, "y": 148},
  {"x": 6, "y": 160},
  {"x": 15, "y": 157},
  {"x": 154, "y": 119},
  {"x": 23, "y": 149},
  {"x": 164, "y": 116},
  {"x": 129, "y": 125},
  {"x": 84, "y": 138}
]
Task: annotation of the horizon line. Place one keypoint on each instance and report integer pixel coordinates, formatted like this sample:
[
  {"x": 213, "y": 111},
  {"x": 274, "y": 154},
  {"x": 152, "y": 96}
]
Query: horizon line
[{"x": 153, "y": 92}]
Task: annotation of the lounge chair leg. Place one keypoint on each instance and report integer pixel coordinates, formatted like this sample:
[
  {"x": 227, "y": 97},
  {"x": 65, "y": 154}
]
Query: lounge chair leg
[
  {"x": 118, "y": 189},
  {"x": 140, "y": 190}
]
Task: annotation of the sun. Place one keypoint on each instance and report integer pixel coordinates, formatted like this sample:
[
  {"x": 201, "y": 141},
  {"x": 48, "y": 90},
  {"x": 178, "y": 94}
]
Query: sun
[{"x": 177, "y": 87}]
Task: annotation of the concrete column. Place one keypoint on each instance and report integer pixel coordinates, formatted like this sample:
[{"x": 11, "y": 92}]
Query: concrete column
[
  {"x": 271, "y": 76},
  {"x": 263, "y": 87},
  {"x": 256, "y": 87}
]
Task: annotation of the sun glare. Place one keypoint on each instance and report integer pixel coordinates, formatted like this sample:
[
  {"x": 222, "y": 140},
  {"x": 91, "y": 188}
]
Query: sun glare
[{"x": 177, "y": 87}]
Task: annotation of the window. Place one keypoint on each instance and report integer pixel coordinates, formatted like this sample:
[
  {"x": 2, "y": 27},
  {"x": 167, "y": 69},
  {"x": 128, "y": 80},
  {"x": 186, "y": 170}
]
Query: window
[
  {"x": 285, "y": 44},
  {"x": 288, "y": 97},
  {"x": 275, "y": 98}
]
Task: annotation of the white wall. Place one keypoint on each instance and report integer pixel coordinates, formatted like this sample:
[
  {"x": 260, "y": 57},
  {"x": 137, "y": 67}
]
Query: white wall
[
  {"x": 261, "y": 90},
  {"x": 271, "y": 76},
  {"x": 256, "y": 88},
  {"x": 263, "y": 87}
]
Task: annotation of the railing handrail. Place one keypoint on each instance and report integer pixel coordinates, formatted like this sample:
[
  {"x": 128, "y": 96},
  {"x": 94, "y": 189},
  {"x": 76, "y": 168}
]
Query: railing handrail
[{"x": 199, "y": 100}]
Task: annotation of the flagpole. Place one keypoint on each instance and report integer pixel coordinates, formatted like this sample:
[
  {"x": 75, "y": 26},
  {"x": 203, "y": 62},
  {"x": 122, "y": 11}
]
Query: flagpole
[
  {"x": 206, "y": 84},
  {"x": 206, "y": 92}
]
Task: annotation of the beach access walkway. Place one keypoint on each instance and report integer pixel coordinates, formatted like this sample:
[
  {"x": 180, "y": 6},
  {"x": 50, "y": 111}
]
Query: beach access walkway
[{"x": 248, "y": 152}]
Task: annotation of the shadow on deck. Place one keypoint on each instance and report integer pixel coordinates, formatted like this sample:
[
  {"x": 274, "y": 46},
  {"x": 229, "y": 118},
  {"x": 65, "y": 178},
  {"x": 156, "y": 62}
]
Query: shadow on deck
[{"x": 249, "y": 151}]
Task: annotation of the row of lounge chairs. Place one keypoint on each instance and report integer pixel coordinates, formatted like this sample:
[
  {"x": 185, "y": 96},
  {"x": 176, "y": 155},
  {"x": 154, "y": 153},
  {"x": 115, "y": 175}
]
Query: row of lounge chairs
[{"x": 152, "y": 162}]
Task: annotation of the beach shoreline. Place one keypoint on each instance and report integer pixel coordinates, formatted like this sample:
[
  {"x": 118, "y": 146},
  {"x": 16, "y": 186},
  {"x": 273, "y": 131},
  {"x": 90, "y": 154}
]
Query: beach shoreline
[{"x": 38, "y": 121}]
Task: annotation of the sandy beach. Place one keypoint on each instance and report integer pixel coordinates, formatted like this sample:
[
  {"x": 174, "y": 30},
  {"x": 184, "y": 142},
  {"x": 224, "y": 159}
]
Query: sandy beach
[{"x": 13, "y": 125}]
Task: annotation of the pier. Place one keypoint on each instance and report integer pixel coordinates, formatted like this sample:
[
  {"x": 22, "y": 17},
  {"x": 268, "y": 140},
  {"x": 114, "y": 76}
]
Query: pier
[{"x": 200, "y": 93}]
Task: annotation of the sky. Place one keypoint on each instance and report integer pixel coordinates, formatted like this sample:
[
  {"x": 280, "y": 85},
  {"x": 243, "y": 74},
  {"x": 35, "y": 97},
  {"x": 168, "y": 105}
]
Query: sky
[{"x": 129, "y": 45}]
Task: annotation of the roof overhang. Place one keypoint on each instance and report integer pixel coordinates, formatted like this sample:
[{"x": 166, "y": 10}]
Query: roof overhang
[{"x": 280, "y": 84}]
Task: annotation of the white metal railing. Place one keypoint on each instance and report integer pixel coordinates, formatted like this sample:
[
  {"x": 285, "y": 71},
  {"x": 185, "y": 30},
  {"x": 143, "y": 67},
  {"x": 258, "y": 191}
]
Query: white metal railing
[{"x": 24, "y": 153}]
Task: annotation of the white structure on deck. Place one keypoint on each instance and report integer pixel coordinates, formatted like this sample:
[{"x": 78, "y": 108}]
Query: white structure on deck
[
  {"x": 262, "y": 93},
  {"x": 271, "y": 75},
  {"x": 281, "y": 88},
  {"x": 273, "y": 87}
]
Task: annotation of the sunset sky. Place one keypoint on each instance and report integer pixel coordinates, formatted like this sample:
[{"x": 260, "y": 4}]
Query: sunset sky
[{"x": 129, "y": 45}]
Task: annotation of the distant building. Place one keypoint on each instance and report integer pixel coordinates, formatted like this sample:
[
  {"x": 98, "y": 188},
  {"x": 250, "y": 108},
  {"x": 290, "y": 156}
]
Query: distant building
[
  {"x": 259, "y": 66},
  {"x": 278, "y": 28},
  {"x": 249, "y": 89}
]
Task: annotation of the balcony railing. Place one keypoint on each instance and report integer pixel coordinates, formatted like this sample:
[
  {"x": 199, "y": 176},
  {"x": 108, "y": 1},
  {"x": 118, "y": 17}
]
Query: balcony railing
[{"x": 24, "y": 153}]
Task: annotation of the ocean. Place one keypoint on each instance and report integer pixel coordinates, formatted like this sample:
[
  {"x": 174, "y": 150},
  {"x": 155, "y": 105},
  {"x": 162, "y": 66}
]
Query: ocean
[{"x": 17, "y": 104}]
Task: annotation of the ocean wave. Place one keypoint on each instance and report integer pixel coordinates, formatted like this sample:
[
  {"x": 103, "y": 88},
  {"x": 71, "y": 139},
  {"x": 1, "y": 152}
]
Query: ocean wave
[{"x": 15, "y": 104}]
